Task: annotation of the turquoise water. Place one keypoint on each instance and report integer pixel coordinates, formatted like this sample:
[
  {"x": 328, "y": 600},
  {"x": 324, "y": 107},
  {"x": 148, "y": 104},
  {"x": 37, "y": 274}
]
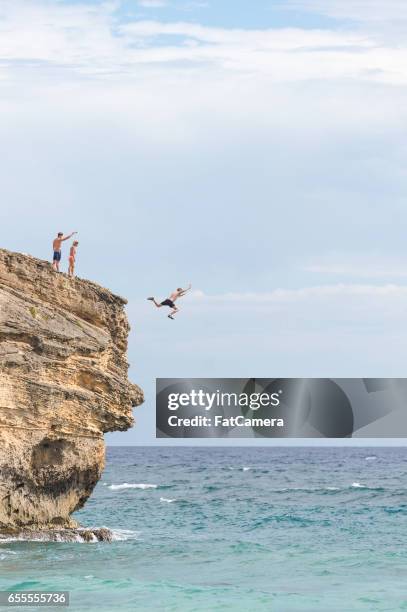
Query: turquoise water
[{"x": 246, "y": 529}]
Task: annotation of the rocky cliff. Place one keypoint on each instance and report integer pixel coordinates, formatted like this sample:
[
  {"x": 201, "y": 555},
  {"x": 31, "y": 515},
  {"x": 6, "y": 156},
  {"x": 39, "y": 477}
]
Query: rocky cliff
[{"x": 63, "y": 383}]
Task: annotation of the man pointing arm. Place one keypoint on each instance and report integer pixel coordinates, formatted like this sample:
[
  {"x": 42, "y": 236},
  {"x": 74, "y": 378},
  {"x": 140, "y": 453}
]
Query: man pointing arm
[{"x": 56, "y": 246}]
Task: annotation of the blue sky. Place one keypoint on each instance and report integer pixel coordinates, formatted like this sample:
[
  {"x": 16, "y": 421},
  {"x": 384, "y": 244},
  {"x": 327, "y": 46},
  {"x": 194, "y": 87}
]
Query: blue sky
[
  {"x": 222, "y": 13},
  {"x": 256, "y": 149}
]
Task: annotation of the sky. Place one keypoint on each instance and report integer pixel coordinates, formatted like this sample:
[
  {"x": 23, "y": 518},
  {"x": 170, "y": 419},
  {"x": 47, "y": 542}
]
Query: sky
[{"x": 255, "y": 149}]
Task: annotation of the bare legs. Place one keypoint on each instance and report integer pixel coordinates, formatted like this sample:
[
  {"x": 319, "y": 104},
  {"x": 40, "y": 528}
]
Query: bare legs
[
  {"x": 172, "y": 313},
  {"x": 174, "y": 309},
  {"x": 154, "y": 302},
  {"x": 71, "y": 269}
]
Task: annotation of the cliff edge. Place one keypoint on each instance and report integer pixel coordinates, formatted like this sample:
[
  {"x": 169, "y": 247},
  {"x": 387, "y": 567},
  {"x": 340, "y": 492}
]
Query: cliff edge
[{"x": 63, "y": 384}]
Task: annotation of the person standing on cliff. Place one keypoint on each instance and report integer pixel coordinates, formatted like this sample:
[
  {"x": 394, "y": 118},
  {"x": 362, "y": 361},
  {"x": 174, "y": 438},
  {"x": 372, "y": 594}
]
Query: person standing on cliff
[
  {"x": 56, "y": 245},
  {"x": 171, "y": 300},
  {"x": 72, "y": 258}
]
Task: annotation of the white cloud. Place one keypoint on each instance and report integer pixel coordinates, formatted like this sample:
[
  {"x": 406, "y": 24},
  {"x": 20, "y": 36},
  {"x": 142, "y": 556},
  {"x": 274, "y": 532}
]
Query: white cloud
[
  {"x": 360, "y": 10},
  {"x": 280, "y": 55},
  {"x": 355, "y": 265},
  {"x": 309, "y": 309},
  {"x": 282, "y": 39},
  {"x": 387, "y": 20},
  {"x": 321, "y": 292},
  {"x": 88, "y": 40},
  {"x": 340, "y": 308}
]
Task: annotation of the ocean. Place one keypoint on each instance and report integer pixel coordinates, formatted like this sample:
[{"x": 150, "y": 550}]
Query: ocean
[{"x": 243, "y": 529}]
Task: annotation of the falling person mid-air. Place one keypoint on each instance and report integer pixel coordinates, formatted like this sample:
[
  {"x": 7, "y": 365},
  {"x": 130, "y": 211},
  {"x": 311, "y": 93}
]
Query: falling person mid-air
[
  {"x": 171, "y": 300},
  {"x": 56, "y": 245},
  {"x": 72, "y": 258}
]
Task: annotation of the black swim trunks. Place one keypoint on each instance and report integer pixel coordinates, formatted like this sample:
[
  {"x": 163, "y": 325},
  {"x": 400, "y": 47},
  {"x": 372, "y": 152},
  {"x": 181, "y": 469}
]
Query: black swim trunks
[
  {"x": 57, "y": 255},
  {"x": 169, "y": 303}
]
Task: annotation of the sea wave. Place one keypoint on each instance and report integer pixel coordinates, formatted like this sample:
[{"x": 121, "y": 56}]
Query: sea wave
[
  {"x": 121, "y": 535},
  {"x": 166, "y": 499},
  {"x": 239, "y": 469},
  {"x": 326, "y": 488},
  {"x": 5, "y": 554},
  {"x": 81, "y": 535},
  {"x": 126, "y": 485},
  {"x": 358, "y": 485},
  {"x": 52, "y": 536},
  {"x": 322, "y": 489}
]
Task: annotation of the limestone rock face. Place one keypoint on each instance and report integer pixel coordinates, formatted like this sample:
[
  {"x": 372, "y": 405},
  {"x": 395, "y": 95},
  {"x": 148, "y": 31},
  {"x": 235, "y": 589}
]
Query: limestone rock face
[{"x": 63, "y": 383}]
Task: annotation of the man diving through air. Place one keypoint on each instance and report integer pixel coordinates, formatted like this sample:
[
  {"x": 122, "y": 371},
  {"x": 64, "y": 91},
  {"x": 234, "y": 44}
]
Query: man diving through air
[{"x": 171, "y": 300}]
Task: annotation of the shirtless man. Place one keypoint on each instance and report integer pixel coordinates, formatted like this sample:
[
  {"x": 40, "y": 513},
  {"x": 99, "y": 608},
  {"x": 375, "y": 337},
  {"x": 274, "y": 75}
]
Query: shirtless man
[
  {"x": 171, "y": 300},
  {"x": 72, "y": 256},
  {"x": 56, "y": 245}
]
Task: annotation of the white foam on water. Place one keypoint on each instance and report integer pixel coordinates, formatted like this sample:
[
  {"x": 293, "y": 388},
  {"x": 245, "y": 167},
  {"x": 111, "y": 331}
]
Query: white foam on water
[
  {"x": 52, "y": 537},
  {"x": 246, "y": 469},
  {"x": 357, "y": 485},
  {"x": 165, "y": 499},
  {"x": 37, "y": 538},
  {"x": 46, "y": 538},
  {"x": 371, "y": 458},
  {"x": 127, "y": 485},
  {"x": 306, "y": 489},
  {"x": 286, "y": 489},
  {"x": 5, "y": 553},
  {"x": 121, "y": 535}
]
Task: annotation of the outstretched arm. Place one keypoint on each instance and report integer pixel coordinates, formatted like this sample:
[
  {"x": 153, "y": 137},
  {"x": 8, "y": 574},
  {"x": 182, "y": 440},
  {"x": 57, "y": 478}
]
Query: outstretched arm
[
  {"x": 70, "y": 236},
  {"x": 184, "y": 291}
]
